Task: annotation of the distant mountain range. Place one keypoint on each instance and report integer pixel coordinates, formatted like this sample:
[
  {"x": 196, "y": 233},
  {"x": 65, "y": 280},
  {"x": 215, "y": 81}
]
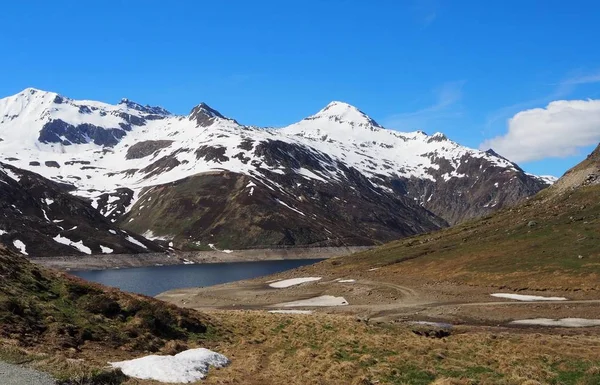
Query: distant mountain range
[{"x": 205, "y": 181}]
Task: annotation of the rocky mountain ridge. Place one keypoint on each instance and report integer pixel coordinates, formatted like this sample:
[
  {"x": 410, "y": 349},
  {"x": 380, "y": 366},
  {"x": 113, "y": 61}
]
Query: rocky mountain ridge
[{"x": 336, "y": 177}]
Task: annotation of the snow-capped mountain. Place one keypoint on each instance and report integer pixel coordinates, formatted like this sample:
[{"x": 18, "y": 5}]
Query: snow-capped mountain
[{"x": 337, "y": 177}]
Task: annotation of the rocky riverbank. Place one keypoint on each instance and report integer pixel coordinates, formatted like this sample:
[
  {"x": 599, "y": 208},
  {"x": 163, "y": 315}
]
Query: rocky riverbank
[{"x": 112, "y": 261}]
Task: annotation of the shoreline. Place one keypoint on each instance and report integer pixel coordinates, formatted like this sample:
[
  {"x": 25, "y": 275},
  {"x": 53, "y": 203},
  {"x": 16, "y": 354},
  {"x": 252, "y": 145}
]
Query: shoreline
[{"x": 118, "y": 261}]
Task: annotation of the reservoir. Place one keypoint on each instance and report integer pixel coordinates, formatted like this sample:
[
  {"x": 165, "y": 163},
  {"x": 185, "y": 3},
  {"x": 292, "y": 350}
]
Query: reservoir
[{"x": 154, "y": 280}]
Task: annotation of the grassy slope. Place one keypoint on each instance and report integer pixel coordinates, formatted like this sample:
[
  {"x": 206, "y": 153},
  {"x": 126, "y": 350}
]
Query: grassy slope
[
  {"x": 328, "y": 349},
  {"x": 535, "y": 245},
  {"x": 47, "y": 312}
]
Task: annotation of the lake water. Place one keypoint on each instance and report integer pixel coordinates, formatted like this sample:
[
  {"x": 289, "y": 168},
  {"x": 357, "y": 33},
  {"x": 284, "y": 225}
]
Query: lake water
[{"x": 153, "y": 280}]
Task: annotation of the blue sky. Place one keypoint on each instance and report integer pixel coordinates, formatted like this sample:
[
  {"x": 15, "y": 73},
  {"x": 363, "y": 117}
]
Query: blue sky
[{"x": 460, "y": 67}]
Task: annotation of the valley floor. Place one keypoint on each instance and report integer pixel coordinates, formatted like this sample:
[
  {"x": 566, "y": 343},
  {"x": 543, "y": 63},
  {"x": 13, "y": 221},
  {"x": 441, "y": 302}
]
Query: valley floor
[{"x": 397, "y": 330}]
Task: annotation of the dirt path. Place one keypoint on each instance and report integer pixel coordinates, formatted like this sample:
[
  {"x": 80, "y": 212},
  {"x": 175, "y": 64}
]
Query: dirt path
[{"x": 381, "y": 301}]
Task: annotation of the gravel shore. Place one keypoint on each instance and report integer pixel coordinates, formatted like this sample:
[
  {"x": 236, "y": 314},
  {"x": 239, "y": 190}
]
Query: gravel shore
[{"x": 18, "y": 375}]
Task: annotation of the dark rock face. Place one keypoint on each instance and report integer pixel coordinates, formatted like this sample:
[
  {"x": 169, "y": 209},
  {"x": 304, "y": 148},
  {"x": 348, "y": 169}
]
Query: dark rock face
[
  {"x": 246, "y": 144},
  {"x": 35, "y": 212},
  {"x": 282, "y": 154},
  {"x": 55, "y": 130},
  {"x": 146, "y": 148},
  {"x": 113, "y": 205},
  {"x": 480, "y": 188},
  {"x": 212, "y": 153},
  {"x": 164, "y": 164},
  {"x": 204, "y": 115},
  {"x": 52, "y": 163},
  {"x": 158, "y": 112}
]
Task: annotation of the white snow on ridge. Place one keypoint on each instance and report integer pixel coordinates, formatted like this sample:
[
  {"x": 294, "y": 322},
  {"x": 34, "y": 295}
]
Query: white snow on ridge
[
  {"x": 292, "y": 282},
  {"x": 341, "y": 131},
  {"x": 521, "y": 297},
  {"x": 20, "y": 246},
  {"x": 564, "y": 322},
  {"x": 324, "y": 300},
  {"x": 78, "y": 245},
  {"x": 188, "y": 366}
]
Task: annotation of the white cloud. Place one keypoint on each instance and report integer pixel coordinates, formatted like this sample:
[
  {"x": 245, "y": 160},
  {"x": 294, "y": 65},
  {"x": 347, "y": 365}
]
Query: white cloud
[
  {"x": 559, "y": 130},
  {"x": 561, "y": 90}
]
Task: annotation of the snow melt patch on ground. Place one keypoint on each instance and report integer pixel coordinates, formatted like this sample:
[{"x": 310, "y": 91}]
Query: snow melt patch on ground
[
  {"x": 106, "y": 250},
  {"x": 78, "y": 245},
  {"x": 290, "y": 207},
  {"x": 150, "y": 235},
  {"x": 136, "y": 242},
  {"x": 290, "y": 311},
  {"x": 520, "y": 297},
  {"x": 188, "y": 366},
  {"x": 324, "y": 300},
  {"x": 564, "y": 322},
  {"x": 346, "y": 280},
  {"x": 292, "y": 282},
  {"x": 20, "y": 246},
  {"x": 212, "y": 246}
]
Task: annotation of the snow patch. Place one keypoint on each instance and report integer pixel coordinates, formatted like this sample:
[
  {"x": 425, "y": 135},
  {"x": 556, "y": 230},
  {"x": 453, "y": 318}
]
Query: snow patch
[
  {"x": 188, "y": 366},
  {"x": 346, "y": 280},
  {"x": 212, "y": 246},
  {"x": 136, "y": 242},
  {"x": 78, "y": 245},
  {"x": 564, "y": 322},
  {"x": 291, "y": 311},
  {"x": 106, "y": 250},
  {"x": 323, "y": 300},
  {"x": 292, "y": 282},
  {"x": 290, "y": 207},
  {"x": 150, "y": 235},
  {"x": 20, "y": 246},
  {"x": 520, "y": 297}
]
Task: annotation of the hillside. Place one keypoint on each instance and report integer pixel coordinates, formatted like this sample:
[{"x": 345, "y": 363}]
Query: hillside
[
  {"x": 336, "y": 177},
  {"x": 552, "y": 241},
  {"x": 39, "y": 217},
  {"x": 46, "y": 312}
]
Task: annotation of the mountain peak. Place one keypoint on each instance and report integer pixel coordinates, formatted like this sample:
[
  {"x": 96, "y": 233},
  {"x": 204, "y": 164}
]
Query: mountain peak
[
  {"x": 344, "y": 113},
  {"x": 205, "y": 115}
]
